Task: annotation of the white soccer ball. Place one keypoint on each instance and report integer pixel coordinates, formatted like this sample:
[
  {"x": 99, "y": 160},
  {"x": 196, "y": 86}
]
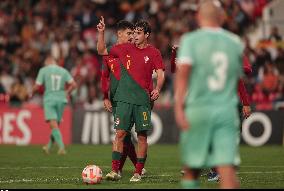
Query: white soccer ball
[{"x": 92, "y": 174}]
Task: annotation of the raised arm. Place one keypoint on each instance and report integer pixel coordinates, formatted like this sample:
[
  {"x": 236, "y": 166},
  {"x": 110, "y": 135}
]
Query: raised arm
[{"x": 101, "y": 45}]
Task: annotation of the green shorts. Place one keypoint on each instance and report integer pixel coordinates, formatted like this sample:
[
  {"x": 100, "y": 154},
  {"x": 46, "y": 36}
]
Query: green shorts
[
  {"x": 127, "y": 114},
  {"x": 53, "y": 110},
  {"x": 212, "y": 139}
]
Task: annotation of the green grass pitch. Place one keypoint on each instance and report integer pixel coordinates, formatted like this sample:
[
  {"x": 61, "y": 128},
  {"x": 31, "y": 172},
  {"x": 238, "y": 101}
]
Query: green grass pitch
[{"x": 29, "y": 167}]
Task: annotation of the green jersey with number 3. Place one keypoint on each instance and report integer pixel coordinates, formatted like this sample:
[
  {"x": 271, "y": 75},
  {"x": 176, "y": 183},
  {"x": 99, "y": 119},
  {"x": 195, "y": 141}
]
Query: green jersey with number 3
[
  {"x": 53, "y": 78},
  {"x": 216, "y": 59}
]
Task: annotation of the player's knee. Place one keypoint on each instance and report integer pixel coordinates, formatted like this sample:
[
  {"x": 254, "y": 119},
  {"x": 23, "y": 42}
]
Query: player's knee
[
  {"x": 142, "y": 138},
  {"x": 120, "y": 134}
]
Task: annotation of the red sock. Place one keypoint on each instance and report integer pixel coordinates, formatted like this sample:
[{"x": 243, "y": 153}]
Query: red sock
[
  {"x": 115, "y": 165},
  {"x": 123, "y": 156},
  {"x": 139, "y": 166}
]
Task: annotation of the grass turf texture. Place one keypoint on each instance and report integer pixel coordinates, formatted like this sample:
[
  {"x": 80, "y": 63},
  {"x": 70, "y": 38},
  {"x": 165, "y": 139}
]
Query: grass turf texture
[{"x": 29, "y": 167}]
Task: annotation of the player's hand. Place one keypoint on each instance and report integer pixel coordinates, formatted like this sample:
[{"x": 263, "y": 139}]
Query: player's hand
[
  {"x": 155, "y": 94},
  {"x": 181, "y": 118},
  {"x": 68, "y": 96},
  {"x": 107, "y": 105},
  {"x": 246, "y": 111},
  {"x": 101, "y": 25},
  {"x": 174, "y": 47}
]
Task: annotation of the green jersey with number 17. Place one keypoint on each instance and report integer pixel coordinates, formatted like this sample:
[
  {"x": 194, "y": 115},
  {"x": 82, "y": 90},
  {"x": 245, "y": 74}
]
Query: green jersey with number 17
[
  {"x": 53, "y": 78},
  {"x": 216, "y": 59}
]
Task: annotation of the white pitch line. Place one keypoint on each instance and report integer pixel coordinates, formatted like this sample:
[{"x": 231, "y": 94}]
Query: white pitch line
[
  {"x": 40, "y": 180},
  {"x": 263, "y": 172},
  {"x": 260, "y": 166},
  {"x": 58, "y": 179}
]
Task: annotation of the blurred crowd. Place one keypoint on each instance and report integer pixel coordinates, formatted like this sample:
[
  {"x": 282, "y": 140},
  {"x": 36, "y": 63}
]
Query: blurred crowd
[{"x": 31, "y": 29}]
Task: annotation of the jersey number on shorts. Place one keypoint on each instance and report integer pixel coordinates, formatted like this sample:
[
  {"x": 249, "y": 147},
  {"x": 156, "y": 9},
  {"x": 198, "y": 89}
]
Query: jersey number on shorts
[
  {"x": 145, "y": 116},
  {"x": 55, "y": 82},
  {"x": 220, "y": 63}
]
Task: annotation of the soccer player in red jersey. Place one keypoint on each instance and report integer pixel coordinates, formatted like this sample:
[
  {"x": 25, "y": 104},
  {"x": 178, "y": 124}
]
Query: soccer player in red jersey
[
  {"x": 110, "y": 78},
  {"x": 134, "y": 93}
]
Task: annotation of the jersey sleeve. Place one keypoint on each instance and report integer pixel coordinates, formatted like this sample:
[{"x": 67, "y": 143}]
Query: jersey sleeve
[
  {"x": 246, "y": 65},
  {"x": 40, "y": 77},
  {"x": 105, "y": 79},
  {"x": 185, "y": 51},
  {"x": 158, "y": 61},
  {"x": 244, "y": 97}
]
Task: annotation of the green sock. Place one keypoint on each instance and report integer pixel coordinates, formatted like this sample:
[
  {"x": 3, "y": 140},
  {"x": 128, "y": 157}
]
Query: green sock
[
  {"x": 116, "y": 155},
  {"x": 190, "y": 184},
  {"x": 51, "y": 141},
  {"x": 57, "y": 137},
  {"x": 141, "y": 160}
]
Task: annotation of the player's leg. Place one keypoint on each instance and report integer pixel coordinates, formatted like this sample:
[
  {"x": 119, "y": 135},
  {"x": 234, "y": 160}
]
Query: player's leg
[
  {"x": 225, "y": 147},
  {"x": 125, "y": 151},
  {"x": 50, "y": 114},
  {"x": 60, "y": 111},
  {"x": 195, "y": 146},
  {"x": 228, "y": 178},
  {"x": 122, "y": 121},
  {"x": 141, "y": 155},
  {"x": 190, "y": 178},
  {"x": 142, "y": 118}
]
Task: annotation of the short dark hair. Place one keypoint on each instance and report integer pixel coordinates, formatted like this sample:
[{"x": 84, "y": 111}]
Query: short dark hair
[
  {"x": 143, "y": 25},
  {"x": 123, "y": 24}
]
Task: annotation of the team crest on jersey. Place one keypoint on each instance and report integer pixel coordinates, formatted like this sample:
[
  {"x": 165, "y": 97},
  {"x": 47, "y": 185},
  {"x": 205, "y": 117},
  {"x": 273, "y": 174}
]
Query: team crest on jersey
[
  {"x": 146, "y": 58},
  {"x": 117, "y": 121}
]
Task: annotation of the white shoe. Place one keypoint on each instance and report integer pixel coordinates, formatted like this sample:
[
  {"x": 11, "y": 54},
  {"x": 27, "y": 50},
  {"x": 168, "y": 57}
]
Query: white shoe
[
  {"x": 113, "y": 176},
  {"x": 135, "y": 178},
  {"x": 144, "y": 172},
  {"x": 61, "y": 152},
  {"x": 46, "y": 150}
]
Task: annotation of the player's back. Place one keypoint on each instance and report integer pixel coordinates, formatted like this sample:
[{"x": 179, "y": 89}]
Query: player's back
[
  {"x": 53, "y": 78},
  {"x": 216, "y": 57}
]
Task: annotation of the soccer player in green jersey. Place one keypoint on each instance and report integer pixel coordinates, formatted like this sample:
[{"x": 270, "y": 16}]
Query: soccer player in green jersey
[
  {"x": 54, "y": 78},
  {"x": 209, "y": 67}
]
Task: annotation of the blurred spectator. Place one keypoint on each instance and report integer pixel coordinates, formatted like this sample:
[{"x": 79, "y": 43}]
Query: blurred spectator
[
  {"x": 29, "y": 30},
  {"x": 274, "y": 34},
  {"x": 268, "y": 76},
  {"x": 6, "y": 78},
  {"x": 279, "y": 61},
  {"x": 19, "y": 92}
]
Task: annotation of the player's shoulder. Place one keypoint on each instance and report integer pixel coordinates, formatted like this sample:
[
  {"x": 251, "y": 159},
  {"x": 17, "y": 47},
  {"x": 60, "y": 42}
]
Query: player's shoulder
[
  {"x": 191, "y": 36},
  {"x": 153, "y": 49},
  {"x": 61, "y": 69},
  {"x": 233, "y": 37},
  {"x": 124, "y": 45}
]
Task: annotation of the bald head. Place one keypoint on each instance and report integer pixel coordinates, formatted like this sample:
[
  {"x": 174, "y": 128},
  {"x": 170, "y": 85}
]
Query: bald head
[{"x": 210, "y": 12}]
